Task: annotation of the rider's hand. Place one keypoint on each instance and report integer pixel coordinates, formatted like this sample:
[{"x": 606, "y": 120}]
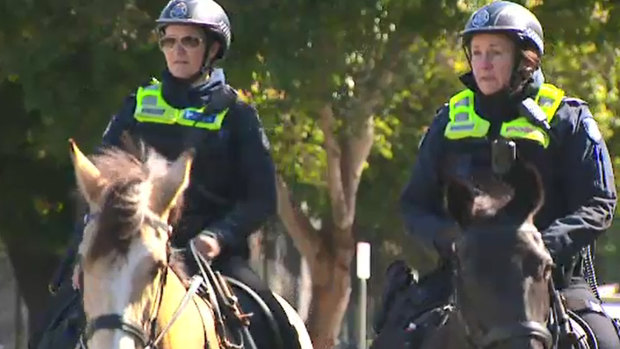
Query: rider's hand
[
  {"x": 75, "y": 277},
  {"x": 207, "y": 245}
]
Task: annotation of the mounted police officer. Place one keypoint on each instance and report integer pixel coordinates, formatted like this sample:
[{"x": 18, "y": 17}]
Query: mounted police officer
[
  {"x": 232, "y": 189},
  {"x": 506, "y": 111},
  {"x": 232, "y": 184}
]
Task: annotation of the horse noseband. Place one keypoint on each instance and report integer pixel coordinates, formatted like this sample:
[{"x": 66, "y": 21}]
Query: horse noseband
[
  {"x": 115, "y": 322},
  {"x": 529, "y": 329}
]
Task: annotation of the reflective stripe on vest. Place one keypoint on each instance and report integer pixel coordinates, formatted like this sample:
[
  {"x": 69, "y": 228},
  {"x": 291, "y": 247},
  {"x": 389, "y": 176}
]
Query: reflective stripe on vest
[
  {"x": 151, "y": 107},
  {"x": 465, "y": 123}
]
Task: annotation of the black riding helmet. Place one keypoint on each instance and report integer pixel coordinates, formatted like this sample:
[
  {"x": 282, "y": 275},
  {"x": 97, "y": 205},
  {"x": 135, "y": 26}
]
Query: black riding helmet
[
  {"x": 205, "y": 13},
  {"x": 506, "y": 17}
]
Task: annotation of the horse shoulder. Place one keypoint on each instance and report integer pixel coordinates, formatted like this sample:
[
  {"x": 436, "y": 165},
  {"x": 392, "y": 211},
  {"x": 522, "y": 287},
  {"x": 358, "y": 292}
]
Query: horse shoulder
[
  {"x": 194, "y": 324},
  {"x": 448, "y": 336}
]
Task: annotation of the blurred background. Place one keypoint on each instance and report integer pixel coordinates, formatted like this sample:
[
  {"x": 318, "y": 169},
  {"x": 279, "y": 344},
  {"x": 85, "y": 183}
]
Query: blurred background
[{"x": 344, "y": 88}]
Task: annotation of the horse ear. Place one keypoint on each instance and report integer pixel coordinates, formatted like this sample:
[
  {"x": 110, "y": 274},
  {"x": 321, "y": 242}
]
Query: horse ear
[
  {"x": 133, "y": 147},
  {"x": 168, "y": 189},
  {"x": 528, "y": 190},
  {"x": 460, "y": 201},
  {"x": 89, "y": 179}
]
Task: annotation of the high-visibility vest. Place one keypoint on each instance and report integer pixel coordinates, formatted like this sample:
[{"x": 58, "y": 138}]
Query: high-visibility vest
[
  {"x": 151, "y": 107},
  {"x": 466, "y": 123}
]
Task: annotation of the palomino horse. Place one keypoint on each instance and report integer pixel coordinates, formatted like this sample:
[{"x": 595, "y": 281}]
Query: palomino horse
[
  {"x": 501, "y": 275},
  {"x": 132, "y": 299}
]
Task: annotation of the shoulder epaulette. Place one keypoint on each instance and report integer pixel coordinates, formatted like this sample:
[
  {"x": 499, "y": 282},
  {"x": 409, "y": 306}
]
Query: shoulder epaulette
[{"x": 575, "y": 102}]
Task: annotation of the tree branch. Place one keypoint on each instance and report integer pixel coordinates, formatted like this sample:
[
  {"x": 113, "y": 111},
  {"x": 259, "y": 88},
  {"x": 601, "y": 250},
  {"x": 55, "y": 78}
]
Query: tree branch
[
  {"x": 339, "y": 206},
  {"x": 358, "y": 148},
  {"x": 361, "y": 137},
  {"x": 304, "y": 236}
]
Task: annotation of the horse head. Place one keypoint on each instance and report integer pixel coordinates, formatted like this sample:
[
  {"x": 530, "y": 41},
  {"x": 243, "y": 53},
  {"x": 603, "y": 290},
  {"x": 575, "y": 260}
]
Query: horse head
[
  {"x": 124, "y": 251},
  {"x": 502, "y": 268}
]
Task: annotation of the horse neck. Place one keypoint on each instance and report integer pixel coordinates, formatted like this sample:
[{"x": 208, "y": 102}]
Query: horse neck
[
  {"x": 449, "y": 336},
  {"x": 194, "y": 322}
]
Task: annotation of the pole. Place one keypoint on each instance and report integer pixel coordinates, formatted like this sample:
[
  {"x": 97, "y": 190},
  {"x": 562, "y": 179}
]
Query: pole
[
  {"x": 362, "y": 312},
  {"x": 363, "y": 274}
]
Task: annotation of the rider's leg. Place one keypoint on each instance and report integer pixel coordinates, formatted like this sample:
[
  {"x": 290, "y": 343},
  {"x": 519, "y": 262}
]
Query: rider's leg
[
  {"x": 436, "y": 287},
  {"x": 581, "y": 300},
  {"x": 238, "y": 268},
  {"x": 61, "y": 289},
  {"x": 409, "y": 313}
]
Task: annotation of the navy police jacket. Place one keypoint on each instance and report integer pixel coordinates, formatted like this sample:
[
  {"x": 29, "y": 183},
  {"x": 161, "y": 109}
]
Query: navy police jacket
[
  {"x": 232, "y": 188},
  {"x": 575, "y": 168}
]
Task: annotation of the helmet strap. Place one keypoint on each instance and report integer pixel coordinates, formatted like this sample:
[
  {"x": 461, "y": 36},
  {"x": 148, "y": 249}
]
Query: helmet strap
[
  {"x": 522, "y": 75},
  {"x": 517, "y": 80},
  {"x": 467, "y": 52},
  {"x": 207, "y": 64},
  {"x": 210, "y": 40}
]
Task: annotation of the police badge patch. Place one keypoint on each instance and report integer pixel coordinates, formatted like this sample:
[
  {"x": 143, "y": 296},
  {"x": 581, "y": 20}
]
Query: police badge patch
[
  {"x": 179, "y": 10},
  {"x": 480, "y": 18},
  {"x": 591, "y": 128}
]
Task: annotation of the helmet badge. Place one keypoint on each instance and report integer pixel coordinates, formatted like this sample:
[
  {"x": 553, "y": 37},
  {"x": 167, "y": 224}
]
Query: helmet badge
[
  {"x": 480, "y": 18},
  {"x": 179, "y": 10}
]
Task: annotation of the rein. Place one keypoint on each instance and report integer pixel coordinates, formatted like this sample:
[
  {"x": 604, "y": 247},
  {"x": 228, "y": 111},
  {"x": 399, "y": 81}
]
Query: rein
[{"x": 226, "y": 306}]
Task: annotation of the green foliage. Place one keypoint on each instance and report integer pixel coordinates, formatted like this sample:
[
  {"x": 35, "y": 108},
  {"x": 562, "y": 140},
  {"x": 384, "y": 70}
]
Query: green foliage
[{"x": 67, "y": 66}]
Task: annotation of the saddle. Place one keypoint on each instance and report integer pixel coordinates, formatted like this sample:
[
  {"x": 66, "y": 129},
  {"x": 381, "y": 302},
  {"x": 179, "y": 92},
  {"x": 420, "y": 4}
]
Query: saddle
[{"x": 411, "y": 309}]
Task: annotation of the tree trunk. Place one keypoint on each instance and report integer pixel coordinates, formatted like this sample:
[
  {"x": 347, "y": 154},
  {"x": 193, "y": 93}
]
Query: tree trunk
[
  {"x": 331, "y": 290},
  {"x": 329, "y": 251}
]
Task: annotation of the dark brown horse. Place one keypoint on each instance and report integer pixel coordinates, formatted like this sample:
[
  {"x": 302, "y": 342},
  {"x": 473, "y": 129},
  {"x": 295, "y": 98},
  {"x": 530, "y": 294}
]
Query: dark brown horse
[{"x": 501, "y": 270}]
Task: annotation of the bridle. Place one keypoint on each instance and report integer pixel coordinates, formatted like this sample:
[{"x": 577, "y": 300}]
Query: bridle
[
  {"x": 136, "y": 330},
  {"x": 488, "y": 338}
]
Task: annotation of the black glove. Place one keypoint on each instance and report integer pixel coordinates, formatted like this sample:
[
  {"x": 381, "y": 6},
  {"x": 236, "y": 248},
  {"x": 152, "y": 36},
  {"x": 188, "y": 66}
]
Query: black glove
[{"x": 444, "y": 242}]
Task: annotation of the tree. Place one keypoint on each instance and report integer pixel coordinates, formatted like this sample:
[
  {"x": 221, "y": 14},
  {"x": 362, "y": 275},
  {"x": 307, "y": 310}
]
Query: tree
[{"x": 332, "y": 77}]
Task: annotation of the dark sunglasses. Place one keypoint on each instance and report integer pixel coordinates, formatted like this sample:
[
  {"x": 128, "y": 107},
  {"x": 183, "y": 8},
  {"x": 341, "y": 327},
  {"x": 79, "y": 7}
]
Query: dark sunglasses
[{"x": 188, "y": 42}]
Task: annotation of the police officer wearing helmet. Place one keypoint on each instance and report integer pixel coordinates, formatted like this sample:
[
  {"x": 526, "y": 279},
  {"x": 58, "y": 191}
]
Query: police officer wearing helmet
[
  {"x": 504, "y": 44},
  {"x": 232, "y": 188}
]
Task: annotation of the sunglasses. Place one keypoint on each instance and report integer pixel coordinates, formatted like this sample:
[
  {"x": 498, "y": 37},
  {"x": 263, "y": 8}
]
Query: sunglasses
[{"x": 187, "y": 42}]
